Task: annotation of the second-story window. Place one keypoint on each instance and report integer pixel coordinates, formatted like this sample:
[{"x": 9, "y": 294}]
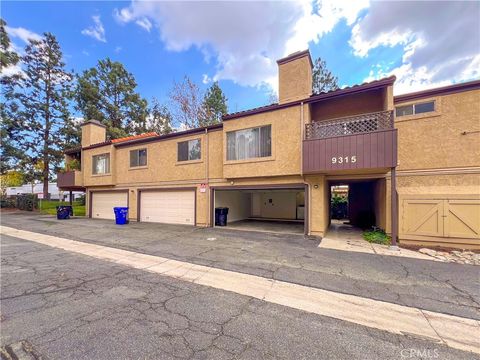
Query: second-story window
[
  {"x": 412, "y": 109},
  {"x": 101, "y": 164},
  {"x": 138, "y": 157},
  {"x": 249, "y": 143},
  {"x": 189, "y": 150}
]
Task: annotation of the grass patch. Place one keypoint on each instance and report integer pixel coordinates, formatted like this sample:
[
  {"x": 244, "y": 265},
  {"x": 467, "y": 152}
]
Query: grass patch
[
  {"x": 50, "y": 207},
  {"x": 377, "y": 236}
]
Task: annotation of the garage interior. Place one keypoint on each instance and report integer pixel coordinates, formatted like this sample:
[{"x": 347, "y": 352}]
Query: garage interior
[
  {"x": 358, "y": 203},
  {"x": 265, "y": 210}
]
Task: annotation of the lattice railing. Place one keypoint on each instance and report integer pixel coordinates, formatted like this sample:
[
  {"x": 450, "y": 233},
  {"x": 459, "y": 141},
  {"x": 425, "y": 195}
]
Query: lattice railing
[{"x": 349, "y": 125}]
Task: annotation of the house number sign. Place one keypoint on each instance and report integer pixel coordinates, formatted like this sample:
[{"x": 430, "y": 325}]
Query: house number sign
[{"x": 344, "y": 159}]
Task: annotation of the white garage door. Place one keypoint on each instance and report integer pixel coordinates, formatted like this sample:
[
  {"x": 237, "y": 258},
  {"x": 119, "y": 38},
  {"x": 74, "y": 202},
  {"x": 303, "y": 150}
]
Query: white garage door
[
  {"x": 170, "y": 207},
  {"x": 104, "y": 202}
]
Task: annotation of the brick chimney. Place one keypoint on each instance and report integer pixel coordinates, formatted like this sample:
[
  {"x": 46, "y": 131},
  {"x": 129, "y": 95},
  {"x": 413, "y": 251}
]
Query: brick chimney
[
  {"x": 295, "y": 77},
  {"x": 93, "y": 132}
]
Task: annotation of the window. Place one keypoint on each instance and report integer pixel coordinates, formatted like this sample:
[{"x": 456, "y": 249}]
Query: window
[
  {"x": 249, "y": 143},
  {"x": 189, "y": 150},
  {"x": 101, "y": 164},
  {"x": 138, "y": 157},
  {"x": 415, "y": 108}
]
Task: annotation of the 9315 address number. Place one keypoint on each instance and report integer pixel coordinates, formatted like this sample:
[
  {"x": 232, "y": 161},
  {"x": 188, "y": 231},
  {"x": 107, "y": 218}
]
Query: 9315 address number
[{"x": 344, "y": 159}]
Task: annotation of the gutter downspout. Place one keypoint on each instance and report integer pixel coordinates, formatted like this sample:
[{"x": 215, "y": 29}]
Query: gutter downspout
[{"x": 207, "y": 190}]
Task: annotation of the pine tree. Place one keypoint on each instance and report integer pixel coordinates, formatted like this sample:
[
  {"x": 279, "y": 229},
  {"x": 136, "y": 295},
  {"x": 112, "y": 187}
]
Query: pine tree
[
  {"x": 323, "y": 79},
  {"x": 107, "y": 93},
  {"x": 45, "y": 91},
  {"x": 214, "y": 105},
  {"x": 11, "y": 125}
]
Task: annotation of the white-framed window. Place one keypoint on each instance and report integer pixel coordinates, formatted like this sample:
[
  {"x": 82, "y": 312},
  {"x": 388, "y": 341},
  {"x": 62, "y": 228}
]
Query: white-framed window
[
  {"x": 418, "y": 108},
  {"x": 138, "y": 157},
  {"x": 189, "y": 150},
  {"x": 101, "y": 164},
  {"x": 249, "y": 143}
]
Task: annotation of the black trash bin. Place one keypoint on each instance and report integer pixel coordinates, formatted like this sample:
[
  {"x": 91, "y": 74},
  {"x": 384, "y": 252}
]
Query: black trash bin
[
  {"x": 221, "y": 216},
  {"x": 64, "y": 212}
]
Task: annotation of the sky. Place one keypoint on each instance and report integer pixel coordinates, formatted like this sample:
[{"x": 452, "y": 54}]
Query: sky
[{"x": 424, "y": 44}]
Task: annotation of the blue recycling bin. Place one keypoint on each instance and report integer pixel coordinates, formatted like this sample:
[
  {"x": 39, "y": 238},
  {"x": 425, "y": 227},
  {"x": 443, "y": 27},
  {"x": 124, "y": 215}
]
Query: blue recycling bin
[
  {"x": 64, "y": 212},
  {"x": 121, "y": 215}
]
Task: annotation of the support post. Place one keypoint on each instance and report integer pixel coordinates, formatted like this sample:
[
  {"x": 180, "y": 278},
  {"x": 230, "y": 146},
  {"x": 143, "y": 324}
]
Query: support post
[
  {"x": 394, "y": 210},
  {"x": 71, "y": 198}
]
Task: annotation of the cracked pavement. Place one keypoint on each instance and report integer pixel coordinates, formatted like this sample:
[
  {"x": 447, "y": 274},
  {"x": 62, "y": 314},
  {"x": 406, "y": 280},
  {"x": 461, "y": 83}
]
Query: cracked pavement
[
  {"x": 441, "y": 287},
  {"x": 71, "y": 306}
]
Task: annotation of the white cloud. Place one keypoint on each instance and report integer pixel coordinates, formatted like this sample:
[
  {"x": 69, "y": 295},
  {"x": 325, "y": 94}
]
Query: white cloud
[
  {"x": 85, "y": 52},
  {"x": 11, "y": 70},
  {"x": 144, "y": 23},
  {"x": 118, "y": 49},
  {"x": 206, "y": 79},
  {"x": 245, "y": 40},
  {"x": 440, "y": 41},
  {"x": 96, "y": 31},
  {"x": 23, "y": 34}
]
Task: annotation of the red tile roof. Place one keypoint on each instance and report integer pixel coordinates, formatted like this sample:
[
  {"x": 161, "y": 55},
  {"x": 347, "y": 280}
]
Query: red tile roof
[{"x": 134, "y": 137}]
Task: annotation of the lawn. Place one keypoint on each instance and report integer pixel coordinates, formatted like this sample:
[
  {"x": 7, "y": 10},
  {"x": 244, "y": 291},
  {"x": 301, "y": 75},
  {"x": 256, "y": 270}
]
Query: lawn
[{"x": 50, "y": 207}]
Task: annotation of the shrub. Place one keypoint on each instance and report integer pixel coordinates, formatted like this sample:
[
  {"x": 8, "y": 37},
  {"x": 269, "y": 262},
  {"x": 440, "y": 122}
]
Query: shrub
[
  {"x": 7, "y": 203},
  {"x": 377, "y": 236},
  {"x": 26, "y": 202}
]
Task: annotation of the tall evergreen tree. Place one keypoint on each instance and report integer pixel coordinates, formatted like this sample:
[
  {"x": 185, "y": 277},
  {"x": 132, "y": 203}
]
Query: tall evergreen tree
[
  {"x": 323, "y": 79},
  {"x": 11, "y": 125},
  {"x": 214, "y": 105},
  {"x": 45, "y": 91},
  {"x": 107, "y": 93}
]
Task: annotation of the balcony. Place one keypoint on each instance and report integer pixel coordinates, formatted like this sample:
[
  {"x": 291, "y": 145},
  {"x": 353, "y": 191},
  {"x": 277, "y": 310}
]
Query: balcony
[
  {"x": 366, "y": 141},
  {"x": 70, "y": 180}
]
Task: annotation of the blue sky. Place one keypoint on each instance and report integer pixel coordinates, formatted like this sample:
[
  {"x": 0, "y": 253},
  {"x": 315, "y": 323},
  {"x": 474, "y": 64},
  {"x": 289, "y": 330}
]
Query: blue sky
[{"x": 238, "y": 43}]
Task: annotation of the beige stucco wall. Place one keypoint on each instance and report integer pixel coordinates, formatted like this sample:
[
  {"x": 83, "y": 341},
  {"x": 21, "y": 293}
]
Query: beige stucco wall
[
  {"x": 319, "y": 207},
  {"x": 294, "y": 80},
  {"x": 98, "y": 180},
  {"x": 435, "y": 140},
  {"x": 286, "y": 145},
  {"x": 92, "y": 134}
]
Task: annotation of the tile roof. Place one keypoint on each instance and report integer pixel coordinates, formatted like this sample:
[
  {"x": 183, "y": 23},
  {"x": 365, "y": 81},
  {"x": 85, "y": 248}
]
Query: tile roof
[{"x": 134, "y": 137}]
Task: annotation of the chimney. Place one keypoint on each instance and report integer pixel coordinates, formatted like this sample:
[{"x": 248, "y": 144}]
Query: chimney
[
  {"x": 93, "y": 132},
  {"x": 295, "y": 77}
]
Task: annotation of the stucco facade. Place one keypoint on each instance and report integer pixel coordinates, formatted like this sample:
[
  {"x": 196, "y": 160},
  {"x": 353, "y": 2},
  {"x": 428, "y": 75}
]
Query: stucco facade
[{"x": 438, "y": 155}]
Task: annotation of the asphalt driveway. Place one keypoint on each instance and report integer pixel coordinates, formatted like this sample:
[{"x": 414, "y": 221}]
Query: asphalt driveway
[
  {"x": 62, "y": 305},
  {"x": 442, "y": 287}
]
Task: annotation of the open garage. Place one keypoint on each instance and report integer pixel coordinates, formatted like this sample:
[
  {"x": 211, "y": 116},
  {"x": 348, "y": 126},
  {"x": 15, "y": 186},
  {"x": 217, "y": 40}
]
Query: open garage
[{"x": 267, "y": 209}]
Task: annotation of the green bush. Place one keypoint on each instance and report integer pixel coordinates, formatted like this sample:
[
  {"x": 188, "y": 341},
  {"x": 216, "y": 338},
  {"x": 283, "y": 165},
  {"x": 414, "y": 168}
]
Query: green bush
[
  {"x": 7, "y": 203},
  {"x": 377, "y": 236},
  {"x": 26, "y": 202}
]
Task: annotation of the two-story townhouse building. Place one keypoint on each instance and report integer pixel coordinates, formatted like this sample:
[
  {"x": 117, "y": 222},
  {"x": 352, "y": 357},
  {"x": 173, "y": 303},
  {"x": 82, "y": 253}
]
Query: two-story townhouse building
[{"x": 411, "y": 163}]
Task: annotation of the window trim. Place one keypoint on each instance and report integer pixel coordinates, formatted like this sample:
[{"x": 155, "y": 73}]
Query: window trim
[
  {"x": 435, "y": 113},
  {"x": 253, "y": 159},
  {"x": 130, "y": 159},
  {"x": 109, "y": 164},
  {"x": 190, "y": 161}
]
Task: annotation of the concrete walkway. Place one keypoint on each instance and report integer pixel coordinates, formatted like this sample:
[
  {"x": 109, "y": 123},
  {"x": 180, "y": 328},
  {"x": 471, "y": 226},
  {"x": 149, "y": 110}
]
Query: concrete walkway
[
  {"x": 345, "y": 237},
  {"x": 456, "y": 332}
]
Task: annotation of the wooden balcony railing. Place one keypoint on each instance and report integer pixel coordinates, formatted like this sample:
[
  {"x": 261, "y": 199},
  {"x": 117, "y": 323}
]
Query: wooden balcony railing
[
  {"x": 70, "y": 180},
  {"x": 351, "y": 125}
]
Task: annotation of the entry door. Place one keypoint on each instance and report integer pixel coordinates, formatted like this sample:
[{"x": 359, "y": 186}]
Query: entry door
[
  {"x": 104, "y": 202},
  {"x": 170, "y": 207}
]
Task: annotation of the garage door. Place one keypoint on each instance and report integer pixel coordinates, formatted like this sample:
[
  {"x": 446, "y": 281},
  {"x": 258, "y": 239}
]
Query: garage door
[
  {"x": 104, "y": 202},
  {"x": 170, "y": 207}
]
